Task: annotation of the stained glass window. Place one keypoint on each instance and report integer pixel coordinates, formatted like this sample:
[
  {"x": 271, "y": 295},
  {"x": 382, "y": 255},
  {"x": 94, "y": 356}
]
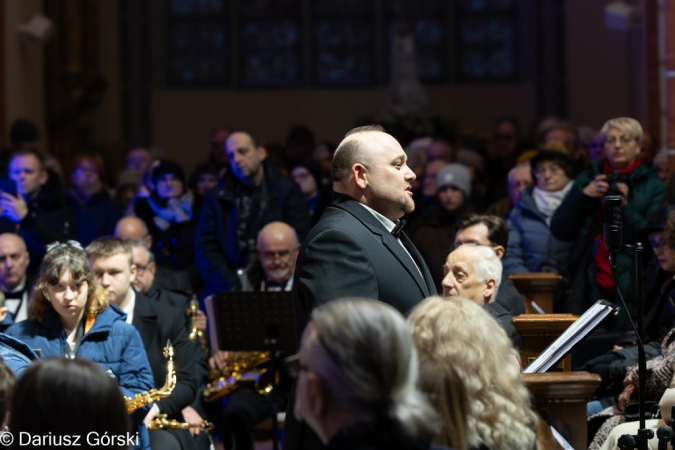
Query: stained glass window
[
  {"x": 487, "y": 40},
  {"x": 197, "y": 43},
  {"x": 343, "y": 42},
  {"x": 270, "y": 43}
]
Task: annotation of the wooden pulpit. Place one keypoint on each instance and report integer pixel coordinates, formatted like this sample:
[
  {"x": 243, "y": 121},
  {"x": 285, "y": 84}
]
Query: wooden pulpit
[
  {"x": 560, "y": 395},
  {"x": 536, "y": 288}
]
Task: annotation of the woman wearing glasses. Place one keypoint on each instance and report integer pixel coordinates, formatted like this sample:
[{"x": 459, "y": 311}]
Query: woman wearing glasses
[{"x": 531, "y": 245}]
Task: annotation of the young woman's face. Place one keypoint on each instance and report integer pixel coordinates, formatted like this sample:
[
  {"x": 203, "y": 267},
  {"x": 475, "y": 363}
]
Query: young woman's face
[
  {"x": 663, "y": 252},
  {"x": 169, "y": 186},
  {"x": 450, "y": 198},
  {"x": 206, "y": 182},
  {"x": 68, "y": 296}
]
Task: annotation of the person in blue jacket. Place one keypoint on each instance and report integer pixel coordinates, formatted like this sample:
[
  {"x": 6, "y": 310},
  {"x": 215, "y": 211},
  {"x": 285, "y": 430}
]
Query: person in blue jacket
[
  {"x": 70, "y": 316},
  {"x": 532, "y": 247}
]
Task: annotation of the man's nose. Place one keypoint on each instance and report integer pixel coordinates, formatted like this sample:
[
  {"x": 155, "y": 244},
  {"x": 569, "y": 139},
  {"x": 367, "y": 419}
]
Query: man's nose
[
  {"x": 104, "y": 280},
  {"x": 409, "y": 174}
]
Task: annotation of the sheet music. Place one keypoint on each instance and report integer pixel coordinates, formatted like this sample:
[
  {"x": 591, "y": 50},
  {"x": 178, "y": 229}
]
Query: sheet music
[{"x": 577, "y": 331}]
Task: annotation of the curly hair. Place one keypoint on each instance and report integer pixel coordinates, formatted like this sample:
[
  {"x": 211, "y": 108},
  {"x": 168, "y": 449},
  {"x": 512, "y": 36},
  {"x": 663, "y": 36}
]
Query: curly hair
[
  {"x": 461, "y": 332},
  {"x": 55, "y": 263},
  {"x": 669, "y": 231}
]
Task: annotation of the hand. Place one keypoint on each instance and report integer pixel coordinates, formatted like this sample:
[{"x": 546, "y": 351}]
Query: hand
[
  {"x": 219, "y": 359},
  {"x": 201, "y": 320},
  {"x": 193, "y": 417},
  {"x": 623, "y": 190},
  {"x": 597, "y": 187},
  {"x": 15, "y": 208},
  {"x": 149, "y": 416},
  {"x": 625, "y": 396}
]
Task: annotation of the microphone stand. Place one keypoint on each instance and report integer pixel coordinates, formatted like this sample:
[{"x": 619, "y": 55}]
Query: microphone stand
[{"x": 613, "y": 234}]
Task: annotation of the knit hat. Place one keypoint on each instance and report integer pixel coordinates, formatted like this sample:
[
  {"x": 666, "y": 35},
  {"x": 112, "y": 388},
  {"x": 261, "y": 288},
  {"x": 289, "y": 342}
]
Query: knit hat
[
  {"x": 165, "y": 166},
  {"x": 454, "y": 175},
  {"x": 556, "y": 152}
]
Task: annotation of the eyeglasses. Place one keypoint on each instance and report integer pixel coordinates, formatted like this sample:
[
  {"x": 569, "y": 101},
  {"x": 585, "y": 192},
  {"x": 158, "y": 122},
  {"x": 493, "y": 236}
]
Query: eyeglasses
[
  {"x": 623, "y": 139},
  {"x": 271, "y": 256},
  {"x": 553, "y": 170},
  {"x": 293, "y": 366},
  {"x": 141, "y": 269}
]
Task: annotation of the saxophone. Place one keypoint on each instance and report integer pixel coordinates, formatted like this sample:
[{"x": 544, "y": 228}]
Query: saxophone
[
  {"x": 160, "y": 421},
  {"x": 145, "y": 398},
  {"x": 243, "y": 369},
  {"x": 195, "y": 333}
]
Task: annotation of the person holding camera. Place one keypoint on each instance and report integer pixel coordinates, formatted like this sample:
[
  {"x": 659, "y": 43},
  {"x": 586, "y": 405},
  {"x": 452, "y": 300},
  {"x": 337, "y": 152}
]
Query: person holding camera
[{"x": 579, "y": 218}]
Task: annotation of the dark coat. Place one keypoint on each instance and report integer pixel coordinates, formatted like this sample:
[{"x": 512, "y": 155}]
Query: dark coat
[
  {"x": 576, "y": 220},
  {"x": 509, "y": 297},
  {"x": 49, "y": 219},
  {"x": 173, "y": 247},
  {"x": 503, "y": 318},
  {"x": 158, "y": 324},
  {"x": 217, "y": 252},
  {"x": 531, "y": 243},
  {"x": 94, "y": 218},
  {"x": 349, "y": 253},
  {"x": 110, "y": 342},
  {"x": 434, "y": 237}
]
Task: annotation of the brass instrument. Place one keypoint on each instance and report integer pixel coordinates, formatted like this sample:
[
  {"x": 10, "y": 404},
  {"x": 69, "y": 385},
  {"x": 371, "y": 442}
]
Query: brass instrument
[
  {"x": 195, "y": 333},
  {"x": 243, "y": 369},
  {"x": 145, "y": 398},
  {"x": 160, "y": 421}
]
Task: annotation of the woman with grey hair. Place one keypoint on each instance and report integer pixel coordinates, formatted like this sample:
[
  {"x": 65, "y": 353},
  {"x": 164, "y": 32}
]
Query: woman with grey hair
[
  {"x": 578, "y": 219},
  {"x": 357, "y": 374}
]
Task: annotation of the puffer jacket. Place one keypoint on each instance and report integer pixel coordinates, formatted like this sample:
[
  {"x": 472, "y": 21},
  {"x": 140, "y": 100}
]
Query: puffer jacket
[
  {"x": 531, "y": 243},
  {"x": 111, "y": 342}
]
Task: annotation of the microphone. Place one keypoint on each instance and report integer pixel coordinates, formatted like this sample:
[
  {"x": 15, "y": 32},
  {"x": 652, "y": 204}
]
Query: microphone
[{"x": 613, "y": 226}]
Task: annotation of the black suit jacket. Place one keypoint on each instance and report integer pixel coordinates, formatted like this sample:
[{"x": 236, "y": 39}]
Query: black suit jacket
[
  {"x": 349, "y": 253},
  {"x": 156, "y": 324}
]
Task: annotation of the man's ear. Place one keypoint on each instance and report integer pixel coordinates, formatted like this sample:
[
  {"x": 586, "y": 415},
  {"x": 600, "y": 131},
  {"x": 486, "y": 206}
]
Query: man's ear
[
  {"x": 317, "y": 394},
  {"x": 3, "y": 313},
  {"x": 360, "y": 174},
  {"x": 43, "y": 176},
  {"x": 262, "y": 153},
  {"x": 490, "y": 287},
  {"x": 148, "y": 240},
  {"x": 132, "y": 271},
  {"x": 499, "y": 250}
]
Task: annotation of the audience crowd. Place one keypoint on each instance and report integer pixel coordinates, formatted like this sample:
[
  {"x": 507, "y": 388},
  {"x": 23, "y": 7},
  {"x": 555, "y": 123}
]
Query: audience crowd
[{"x": 97, "y": 266}]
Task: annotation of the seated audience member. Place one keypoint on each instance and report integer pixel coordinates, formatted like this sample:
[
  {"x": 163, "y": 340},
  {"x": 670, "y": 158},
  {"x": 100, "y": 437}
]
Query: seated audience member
[
  {"x": 165, "y": 278},
  {"x": 144, "y": 283},
  {"x": 579, "y": 219},
  {"x": 425, "y": 197},
  {"x": 435, "y": 232},
  {"x": 272, "y": 271},
  {"x": 127, "y": 186},
  {"x": 139, "y": 159},
  {"x": 57, "y": 399},
  {"x": 15, "y": 283},
  {"x": 505, "y": 146},
  {"x": 7, "y": 380},
  {"x": 519, "y": 178},
  {"x": 566, "y": 134},
  {"x": 531, "y": 245},
  {"x": 659, "y": 318},
  {"x": 111, "y": 260},
  {"x": 660, "y": 164},
  {"x": 249, "y": 196},
  {"x": 168, "y": 214},
  {"x": 491, "y": 232},
  {"x": 317, "y": 197},
  {"x": 660, "y": 371},
  {"x": 95, "y": 213},
  {"x": 217, "y": 156},
  {"x": 203, "y": 179},
  {"x": 37, "y": 214},
  {"x": 70, "y": 316},
  {"x": 456, "y": 332},
  {"x": 357, "y": 374},
  {"x": 475, "y": 272},
  {"x": 323, "y": 158}
]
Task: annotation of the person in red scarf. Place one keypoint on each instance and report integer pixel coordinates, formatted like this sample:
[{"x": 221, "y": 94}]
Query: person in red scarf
[{"x": 579, "y": 219}]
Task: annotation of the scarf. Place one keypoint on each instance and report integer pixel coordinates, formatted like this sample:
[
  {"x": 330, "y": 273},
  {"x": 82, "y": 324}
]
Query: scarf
[
  {"x": 548, "y": 202},
  {"x": 177, "y": 210}
]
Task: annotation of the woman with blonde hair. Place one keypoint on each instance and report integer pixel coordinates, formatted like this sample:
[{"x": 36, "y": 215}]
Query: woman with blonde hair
[
  {"x": 463, "y": 334},
  {"x": 70, "y": 316}
]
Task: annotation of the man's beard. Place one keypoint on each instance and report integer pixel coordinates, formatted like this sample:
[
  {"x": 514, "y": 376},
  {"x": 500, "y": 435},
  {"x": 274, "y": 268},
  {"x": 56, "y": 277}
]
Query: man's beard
[{"x": 280, "y": 275}]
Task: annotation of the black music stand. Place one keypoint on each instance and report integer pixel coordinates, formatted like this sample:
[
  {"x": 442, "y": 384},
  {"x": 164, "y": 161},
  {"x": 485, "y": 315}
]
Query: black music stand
[{"x": 254, "y": 321}]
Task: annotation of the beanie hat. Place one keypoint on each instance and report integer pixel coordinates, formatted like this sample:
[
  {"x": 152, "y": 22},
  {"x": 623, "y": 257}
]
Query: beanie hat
[
  {"x": 454, "y": 175},
  {"x": 556, "y": 152},
  {"x": 165, "y": 166}
]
